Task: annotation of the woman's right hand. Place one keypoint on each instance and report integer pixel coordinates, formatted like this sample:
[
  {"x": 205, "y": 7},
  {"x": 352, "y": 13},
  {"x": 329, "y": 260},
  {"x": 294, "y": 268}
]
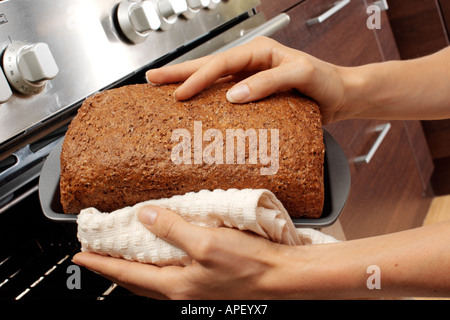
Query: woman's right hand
[{"x": 265, "y": 66}]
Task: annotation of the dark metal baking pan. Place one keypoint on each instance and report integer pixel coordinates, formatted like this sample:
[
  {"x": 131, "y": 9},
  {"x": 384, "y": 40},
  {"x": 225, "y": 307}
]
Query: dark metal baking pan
[
  {"x": 337, "y": 183},
  {"x": 336, "y": 178}
]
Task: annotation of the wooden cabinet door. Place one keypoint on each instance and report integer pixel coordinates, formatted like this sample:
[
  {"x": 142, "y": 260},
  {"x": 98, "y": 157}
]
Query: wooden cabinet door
[
  {"x": 385, "y": 36},
  {"x": 417, "y": 26},
  {"x": 445, "y": 9},
  {"x": 342, "y": 39},
  {"x": 422, "y": 27},
  {"x": 386, "y": 194}
]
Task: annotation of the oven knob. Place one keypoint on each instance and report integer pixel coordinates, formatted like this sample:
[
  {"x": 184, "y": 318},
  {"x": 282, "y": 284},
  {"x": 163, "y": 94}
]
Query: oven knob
[
  {"x": 169, "y": 10},
  {"x": 137, "y": 19},
  {"x": 29, "y": 66},
  {"x": 214, "y": 4},
  {"x": 194, "y": 7}
]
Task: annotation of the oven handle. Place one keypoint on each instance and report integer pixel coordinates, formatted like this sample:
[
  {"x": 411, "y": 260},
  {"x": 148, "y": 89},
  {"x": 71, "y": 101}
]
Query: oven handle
[{"x": 266, "y": 29}]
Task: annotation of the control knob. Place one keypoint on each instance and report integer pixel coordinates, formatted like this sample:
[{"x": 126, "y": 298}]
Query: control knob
[
  {"x": 214, "y": 4},
  {"x": 194, "y": 7},
  {"x": 29, "y": 66},
  {"x": 169, "y": 10},
  {"x": 137, "y": 19}
]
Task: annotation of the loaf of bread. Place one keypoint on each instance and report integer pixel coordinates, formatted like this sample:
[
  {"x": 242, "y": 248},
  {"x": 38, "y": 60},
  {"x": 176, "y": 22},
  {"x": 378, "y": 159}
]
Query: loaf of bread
[{"x": 136, "y": 143}]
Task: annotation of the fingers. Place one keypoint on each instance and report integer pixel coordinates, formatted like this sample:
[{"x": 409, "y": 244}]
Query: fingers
[
  {"x": 171, "y": 227},
  {"x": 207, "y": 73},
  {"x": 183, "y": 72},
  {"x": 175, "y": 73},
  {"x": 272, "y": 65},
  {"x": 264, "y": 83},
  {"x": 146, "y": 279},
  {"x": 200, "y": 73},
  {"x": 142, "y": 279},
  {"x": 260, "y": 85}
]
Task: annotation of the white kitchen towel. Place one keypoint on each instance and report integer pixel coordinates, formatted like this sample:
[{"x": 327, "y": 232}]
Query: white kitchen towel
[{"x": 120, "y": 233}]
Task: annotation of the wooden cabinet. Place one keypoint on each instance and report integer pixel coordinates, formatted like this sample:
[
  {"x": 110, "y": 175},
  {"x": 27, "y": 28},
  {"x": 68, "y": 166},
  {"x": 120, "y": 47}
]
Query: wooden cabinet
[
  {"x": 387, "y": 192},
  {"x": 338, "y": 39},
  {"x": 390, "y": 193},
  {"x": 445, "y": 10},
  {"x": 422, "y": 27},
  {"x": 417, "y": 26}
]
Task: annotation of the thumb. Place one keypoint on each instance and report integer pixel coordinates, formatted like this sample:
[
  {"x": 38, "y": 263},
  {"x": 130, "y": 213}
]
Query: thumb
[{"x": 171, "y": 227}]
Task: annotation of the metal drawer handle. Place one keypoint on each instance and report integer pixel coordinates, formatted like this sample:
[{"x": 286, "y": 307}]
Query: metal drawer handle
[
  {"x": 324, "y": 16},
  {"x": 383, "y": 129}
]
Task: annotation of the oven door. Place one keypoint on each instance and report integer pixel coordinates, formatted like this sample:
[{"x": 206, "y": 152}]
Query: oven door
[{"x": 35, "y": 252}]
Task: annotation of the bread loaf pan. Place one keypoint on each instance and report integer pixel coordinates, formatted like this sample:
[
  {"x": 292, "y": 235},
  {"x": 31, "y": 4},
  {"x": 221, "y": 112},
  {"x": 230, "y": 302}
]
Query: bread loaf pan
[{"x": 336, "y": 181}]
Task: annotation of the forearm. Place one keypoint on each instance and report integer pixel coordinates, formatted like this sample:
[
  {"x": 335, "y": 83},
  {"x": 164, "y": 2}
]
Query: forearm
[
  {"x": 411, "y": 263},
  {"x": 416, "y": 89}
]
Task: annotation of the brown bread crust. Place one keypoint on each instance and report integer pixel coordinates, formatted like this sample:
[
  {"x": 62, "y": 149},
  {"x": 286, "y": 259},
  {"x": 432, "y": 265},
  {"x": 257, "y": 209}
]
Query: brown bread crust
[{"x": 117, "y": 151}]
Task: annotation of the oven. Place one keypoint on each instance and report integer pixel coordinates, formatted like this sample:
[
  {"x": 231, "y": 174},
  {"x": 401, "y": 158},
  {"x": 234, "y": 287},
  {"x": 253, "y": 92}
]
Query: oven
[{"x": 54, "y": 54}]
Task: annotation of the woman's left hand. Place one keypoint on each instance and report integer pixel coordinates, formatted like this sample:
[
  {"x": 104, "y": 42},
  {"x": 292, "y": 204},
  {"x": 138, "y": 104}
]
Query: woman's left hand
[{"x": 227, "y": 263}]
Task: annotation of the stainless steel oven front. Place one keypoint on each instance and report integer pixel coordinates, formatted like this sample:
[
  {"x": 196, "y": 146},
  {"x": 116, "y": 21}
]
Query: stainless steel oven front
[{"x": 54, "y": 55}]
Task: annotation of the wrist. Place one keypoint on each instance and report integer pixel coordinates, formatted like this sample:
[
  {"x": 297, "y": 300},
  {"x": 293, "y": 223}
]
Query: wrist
[
  {"x": 330, "y": 271},
  {"x": 358, "y": 87},
  {"x": 377, "y": 90},
  {"x": 334, "y": 271},
  {"x": 316, "y": 272}
]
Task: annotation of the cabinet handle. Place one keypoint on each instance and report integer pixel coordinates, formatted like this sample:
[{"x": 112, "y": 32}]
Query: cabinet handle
[
  {"x": 324, "y": 16},
  {"x": 383, "y": 129}
]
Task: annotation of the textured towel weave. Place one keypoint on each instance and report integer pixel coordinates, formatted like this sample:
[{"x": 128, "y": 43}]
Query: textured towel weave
[{"x": 120, "y": 234}]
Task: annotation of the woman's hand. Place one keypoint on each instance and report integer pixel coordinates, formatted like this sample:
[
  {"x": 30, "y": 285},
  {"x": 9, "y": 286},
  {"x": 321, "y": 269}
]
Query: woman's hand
[
  {"x": 417, "y": 89},
  {"x": 266, "y": 66},
  {"x": 232, "y": 264},
  {"x": 227, "y": 263}
]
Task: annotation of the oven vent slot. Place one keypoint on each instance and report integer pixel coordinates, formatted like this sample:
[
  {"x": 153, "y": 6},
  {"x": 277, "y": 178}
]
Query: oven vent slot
[
  {"x": 24, "y": 165},
  {"x": 41, "y": 143},
  {"x": 7, "y": 163}
]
